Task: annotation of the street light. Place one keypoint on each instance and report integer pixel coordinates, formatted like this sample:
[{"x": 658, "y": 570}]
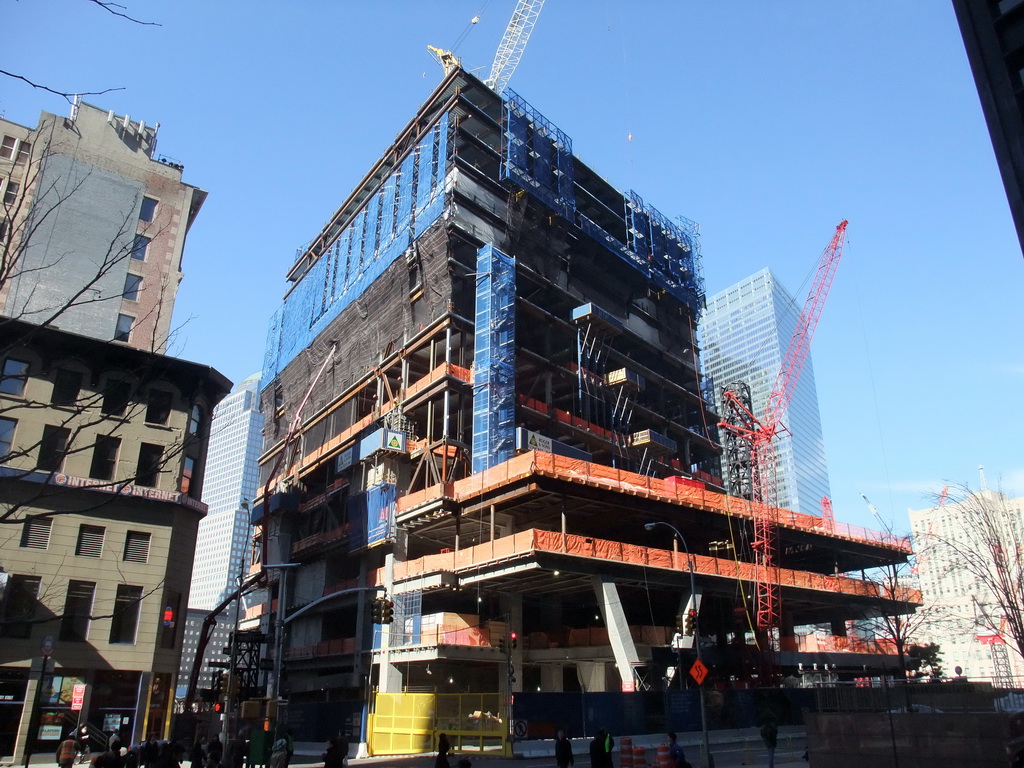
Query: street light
[{"x": 710, "y": 761}]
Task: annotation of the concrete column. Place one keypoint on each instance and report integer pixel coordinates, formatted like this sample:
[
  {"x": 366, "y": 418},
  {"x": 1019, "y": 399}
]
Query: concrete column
[
  {"x": 621, "y": 641},
  {"x": 390, "y": 678}
]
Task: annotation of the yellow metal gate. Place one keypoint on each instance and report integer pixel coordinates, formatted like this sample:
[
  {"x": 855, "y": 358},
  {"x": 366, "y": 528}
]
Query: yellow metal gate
[{"x": 409, "y": 723}]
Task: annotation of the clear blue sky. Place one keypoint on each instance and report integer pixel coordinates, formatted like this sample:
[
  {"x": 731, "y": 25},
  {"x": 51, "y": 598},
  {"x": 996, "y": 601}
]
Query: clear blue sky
[{"x": 765, "y": 122}]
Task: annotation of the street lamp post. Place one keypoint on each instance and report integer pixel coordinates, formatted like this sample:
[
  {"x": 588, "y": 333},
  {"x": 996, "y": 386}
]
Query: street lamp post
[{"x": 709, "y": 760}]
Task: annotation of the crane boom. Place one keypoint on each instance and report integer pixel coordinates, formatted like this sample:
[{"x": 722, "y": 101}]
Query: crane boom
[
  {"x": 760, "y": 433},
  {"x": 513, "y": 43},
  {"x": 800, "y": 344}
]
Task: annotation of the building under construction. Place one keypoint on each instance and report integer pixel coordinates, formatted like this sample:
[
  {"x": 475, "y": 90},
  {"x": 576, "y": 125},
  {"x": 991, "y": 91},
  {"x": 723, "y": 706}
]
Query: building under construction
[{"x": 482, "y": 384}]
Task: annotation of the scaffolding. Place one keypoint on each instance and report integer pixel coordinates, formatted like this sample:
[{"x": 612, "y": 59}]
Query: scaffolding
[
  {"x": 406, "y": 202},
  {"x": 494, "y": 367}
]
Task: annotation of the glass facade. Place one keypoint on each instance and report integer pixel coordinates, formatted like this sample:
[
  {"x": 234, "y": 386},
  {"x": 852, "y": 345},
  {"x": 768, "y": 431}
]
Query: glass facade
[
  {"x": 225, "y": 535},
  {"x": 746, "y": 331}
]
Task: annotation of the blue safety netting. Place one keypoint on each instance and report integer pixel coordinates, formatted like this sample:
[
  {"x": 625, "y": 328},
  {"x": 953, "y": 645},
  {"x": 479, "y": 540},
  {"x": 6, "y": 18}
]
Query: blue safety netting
[
  {"x": 494, "y": 359},
  {"x": 410, "y": 200},
  {"x": 537, "y": 155}
]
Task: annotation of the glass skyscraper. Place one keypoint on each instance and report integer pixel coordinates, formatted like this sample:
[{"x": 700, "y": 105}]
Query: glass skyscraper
[
  {"x": 746, "y": 331},
  {"x": 224, "y": 540}
]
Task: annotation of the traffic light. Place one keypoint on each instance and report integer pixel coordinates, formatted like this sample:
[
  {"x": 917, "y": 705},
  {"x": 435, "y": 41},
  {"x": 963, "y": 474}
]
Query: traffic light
[
  {"x": 387, "y": 613},
  {"x": 691, "y": 622},
  {"x": 377, "y": 610},
  {"x": 513, "y": 639},
  {"x": 500, "y": 643}
]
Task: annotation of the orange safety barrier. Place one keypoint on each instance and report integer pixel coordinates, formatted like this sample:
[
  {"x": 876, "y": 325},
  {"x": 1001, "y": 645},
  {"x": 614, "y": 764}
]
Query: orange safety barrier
[
  {"x": 626, "y": 752},
  {"x": 664, "y": 759},
  {"x": 525, "y": 543},
  {"x": 639, "y": 757},
  {"x": 598, "y": 475}
]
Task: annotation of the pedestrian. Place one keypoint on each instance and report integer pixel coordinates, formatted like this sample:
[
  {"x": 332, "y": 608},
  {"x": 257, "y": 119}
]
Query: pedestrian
[
  {"x": 66, "y": 752},
  {"x": 333, "y": 757},
  {"x": 675, "y": 752},
  {"x": 342, "y": 742},
  {"x": 442, "y": 752},
  {"x": 149, "y": 752},
  {"x": 770, "y": 736},
  {"x": 82, "y": 745},
  {"x": 601, "y": 750},
  {"x": 279, "y": 754},
  {"x": 215, "y": 749},
  {"x": 563, "y": 750},
  {"x": 198, "y": 754}
]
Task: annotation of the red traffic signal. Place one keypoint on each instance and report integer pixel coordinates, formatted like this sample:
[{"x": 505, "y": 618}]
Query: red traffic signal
[{"x": 513, "y": 639}]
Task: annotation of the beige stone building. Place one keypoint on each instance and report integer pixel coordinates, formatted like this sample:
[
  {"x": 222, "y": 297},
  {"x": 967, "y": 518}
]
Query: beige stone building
[
  {"x": 102, "y": 452},
  {"x": 93, "y": 226}
]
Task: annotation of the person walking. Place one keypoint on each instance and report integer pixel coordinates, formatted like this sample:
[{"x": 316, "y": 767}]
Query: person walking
[
  {"x": 676, "y": 755},
  {"x": 66, "y": 752},
  {"x": 442, "y": 752},
  {"x": 198, "y": 755},
  {"x": 770, "y": 736},
  {"x": 563, "y": 751},
  {"x": 601, "y": 750},
  {"x": 279, "y": 754}
]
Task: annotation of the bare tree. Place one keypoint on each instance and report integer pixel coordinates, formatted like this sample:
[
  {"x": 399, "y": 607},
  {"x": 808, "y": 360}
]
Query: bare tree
[
  {"x": 983, "y": 540},
  {"x": 115, "y": 9}
]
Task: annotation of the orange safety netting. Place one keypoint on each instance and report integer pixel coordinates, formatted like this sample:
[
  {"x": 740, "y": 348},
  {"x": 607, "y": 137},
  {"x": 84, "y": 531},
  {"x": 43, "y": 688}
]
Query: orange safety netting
[
  {"x": 598, "y": 475},
  {"x": 528, "y": 542}
]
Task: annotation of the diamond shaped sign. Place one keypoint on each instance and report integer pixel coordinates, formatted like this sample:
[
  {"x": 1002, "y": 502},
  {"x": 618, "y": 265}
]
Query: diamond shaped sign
[{"x": 698, "y": 672}]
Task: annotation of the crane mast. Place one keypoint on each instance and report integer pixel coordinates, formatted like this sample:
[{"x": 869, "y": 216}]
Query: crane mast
[
  {"x": 760, "y": 434},
  {"x": 513, "y": 43}
]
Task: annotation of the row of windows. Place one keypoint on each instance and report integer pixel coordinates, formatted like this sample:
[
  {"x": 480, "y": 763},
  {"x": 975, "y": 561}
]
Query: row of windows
[
  {"x": 35, "y": 534},
  {"x": 67, "y": 387},
  {"x": 54, "y": 447},
  {"x": 21, "y": 602}
]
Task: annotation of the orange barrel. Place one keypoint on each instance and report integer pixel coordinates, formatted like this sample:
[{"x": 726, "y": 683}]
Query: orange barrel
[
  {"x": 639, "y": 757},
  {"x": 664, "y": 759},
  {"x": 626, "y": 752}
]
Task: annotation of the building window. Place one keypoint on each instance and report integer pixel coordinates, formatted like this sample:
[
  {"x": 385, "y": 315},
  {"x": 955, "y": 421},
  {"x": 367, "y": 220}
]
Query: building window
[
  {"x": 147, "y": 473},
  {"x": 139, "y": 247},
  {"x": 20, "y": 600},
  {"x": 123, "y": 331},
  {"x": 8, "y": 147},
  {"x": 11, "y": 193},
  {"x": 195, "y": 421},
  {"x": 169, "y": 619},
  {"x": 115, "y": 398},
  {"x": 186, "y": 475},
  {"x": 104, "y": 457},
  {"x": 7, "y": 427},
  {"x": 132, "y": 287},
  {"x": 24, "y": 150},
  {"x": 13, "y": 377},
  {"x": 148, "y": 210},
  {"x": 136, "y": 547},
  {"x": 90, "y": 540},
  {"x": 158, "y": 410},
  {"x": 66, "y": 386},
  {"x": 36, "y": 532},
  {"x": 53, "y": 448},
  {"x": 125, "y": 620},
  {"x": 74, "y": 624}
]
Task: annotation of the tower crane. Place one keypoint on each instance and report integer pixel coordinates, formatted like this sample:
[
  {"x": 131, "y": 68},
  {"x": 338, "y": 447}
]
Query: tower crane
[
  {"x": 513, "y": 43},
  {"x": 759, "y": 434},
  {"x": 510, "y": 50}
]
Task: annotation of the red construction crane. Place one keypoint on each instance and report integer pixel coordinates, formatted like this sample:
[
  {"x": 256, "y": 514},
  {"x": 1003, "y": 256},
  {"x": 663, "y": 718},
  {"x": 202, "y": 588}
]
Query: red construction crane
[{"x": 760, "y": 433}]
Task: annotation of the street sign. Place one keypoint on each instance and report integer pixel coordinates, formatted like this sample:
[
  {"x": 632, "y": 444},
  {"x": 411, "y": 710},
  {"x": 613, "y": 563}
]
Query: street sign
[
  {"x": 520, "y": 728},
  {"x": 78, "y": 696},
  {"x": 698, "y": 672}
]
